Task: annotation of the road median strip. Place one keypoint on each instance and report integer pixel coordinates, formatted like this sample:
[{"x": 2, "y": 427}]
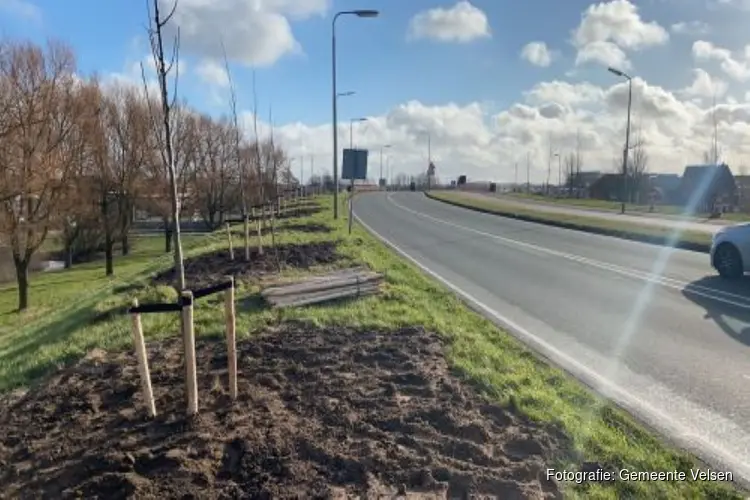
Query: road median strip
[
  {"x": 544, "y": 430},
  {"x": 687, "y": 240}
]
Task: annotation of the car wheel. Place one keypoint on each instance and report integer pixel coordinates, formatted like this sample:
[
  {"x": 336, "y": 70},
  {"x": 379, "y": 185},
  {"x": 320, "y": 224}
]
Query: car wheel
[{"x": 728, "y": 261}]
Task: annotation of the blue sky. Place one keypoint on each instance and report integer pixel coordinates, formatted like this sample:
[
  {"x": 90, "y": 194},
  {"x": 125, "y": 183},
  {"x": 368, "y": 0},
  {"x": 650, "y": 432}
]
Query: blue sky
[{"x": 377, "y": 59}]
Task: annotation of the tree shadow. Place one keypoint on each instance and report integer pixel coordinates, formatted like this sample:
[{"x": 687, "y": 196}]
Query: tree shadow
[
  {"x": 727, "y": 303},
  {"x": 48, "y": 333}
]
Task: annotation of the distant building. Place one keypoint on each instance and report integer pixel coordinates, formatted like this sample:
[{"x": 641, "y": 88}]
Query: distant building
[
  {"x": 743, "y": 192},
  {"x": 664, "y": 189},
  {"x": 606, "y": 187},
  {"x": 581, "y": 183},
  {"x": 708, "y": 188}
]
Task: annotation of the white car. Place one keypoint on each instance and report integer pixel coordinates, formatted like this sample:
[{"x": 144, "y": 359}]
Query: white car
[{"x": 730, "y": 251}]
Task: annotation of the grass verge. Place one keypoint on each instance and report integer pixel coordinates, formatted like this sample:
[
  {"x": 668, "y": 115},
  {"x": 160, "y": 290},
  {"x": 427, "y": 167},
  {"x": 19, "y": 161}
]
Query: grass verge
[
  {"x": 614, "y": 206},
  {"x": 688, "y": 240},
  {"x": 500, "y": 366}
]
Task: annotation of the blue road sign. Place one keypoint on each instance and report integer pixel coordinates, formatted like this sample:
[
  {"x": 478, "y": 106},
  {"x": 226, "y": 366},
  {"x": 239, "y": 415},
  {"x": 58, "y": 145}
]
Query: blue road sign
[{"x": 355, "y": 164}]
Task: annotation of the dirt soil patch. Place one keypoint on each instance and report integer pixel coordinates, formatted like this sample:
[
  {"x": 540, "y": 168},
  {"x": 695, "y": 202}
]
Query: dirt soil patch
[
  {"x": 210, "y": 268},
  {"x": 330, "y": 413}
]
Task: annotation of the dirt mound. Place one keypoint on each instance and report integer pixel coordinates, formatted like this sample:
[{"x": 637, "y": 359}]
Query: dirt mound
[
  {"x": 207, "y": 269},
  {"x": 321, "y": 414}
]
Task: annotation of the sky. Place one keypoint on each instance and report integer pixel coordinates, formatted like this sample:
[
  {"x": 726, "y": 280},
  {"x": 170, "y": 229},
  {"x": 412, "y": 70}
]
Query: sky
[{"x": 495, "y": 87}]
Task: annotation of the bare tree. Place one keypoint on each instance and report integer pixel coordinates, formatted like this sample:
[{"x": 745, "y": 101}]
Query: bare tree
[
  {"x": 212, "y": 177},
  {"x": 277, "y": 159},
  {"x": 42, "y": 140},
  {"x": 261, "y": 194},
  {"x": 241, "y": 165},
  {"x": 127, "y": 136},
  {"x": 638, "y": 167},
  {"x": 577, "y": 167},
  {"x": 569, "y": 164},
  {"x": 165, "y": 143},
  {"x": 98, "y": 173},
  {"x": 549, "y": 162}
]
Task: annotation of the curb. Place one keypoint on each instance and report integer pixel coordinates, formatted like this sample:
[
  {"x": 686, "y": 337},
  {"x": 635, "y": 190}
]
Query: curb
[{"x": 625, "y": 235}]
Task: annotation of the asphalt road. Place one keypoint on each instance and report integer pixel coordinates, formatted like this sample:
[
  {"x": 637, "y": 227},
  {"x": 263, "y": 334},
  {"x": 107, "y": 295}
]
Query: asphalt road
[{"x": 651, "y": 327}]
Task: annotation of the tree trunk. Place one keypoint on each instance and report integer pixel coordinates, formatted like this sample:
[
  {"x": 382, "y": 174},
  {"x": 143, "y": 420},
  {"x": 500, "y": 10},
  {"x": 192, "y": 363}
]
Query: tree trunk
[
  {"x": 125, "y": 243},
  {"x": 109, "y": 244},
  {"x": 246, "y": 233},
  {"x": 22, "y": 278},
  {"x": 167, "y": 236},
  {"x": 108, "y": 239},
  {"x": 68, "y": 255}
]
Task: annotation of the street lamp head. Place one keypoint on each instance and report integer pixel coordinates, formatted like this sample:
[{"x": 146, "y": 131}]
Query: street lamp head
[
  {"x": 615, "y": 71},
  {"x": 366, "y": 13}
]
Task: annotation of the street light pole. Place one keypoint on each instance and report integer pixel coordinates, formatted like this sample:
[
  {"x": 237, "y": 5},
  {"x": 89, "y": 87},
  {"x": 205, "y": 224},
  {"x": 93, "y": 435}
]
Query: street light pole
[
  {"x": 351, "y": 130},
  {"x": 381, "y": 161},
  {"x": 358, "y": 13},
  {"x": 627, "y": 138}
]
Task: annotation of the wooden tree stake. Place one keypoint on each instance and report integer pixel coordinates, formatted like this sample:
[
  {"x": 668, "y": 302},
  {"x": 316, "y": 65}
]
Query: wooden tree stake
[
  {"x": 231, "y": 246},
  {"x": 140, "y": 354},
  {"x": 231, "y": 325},
  {"x": 188, "y": 336}
]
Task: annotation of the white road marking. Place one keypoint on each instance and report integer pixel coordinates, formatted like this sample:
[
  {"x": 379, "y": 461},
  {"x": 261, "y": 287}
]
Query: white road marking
[
  {"x": 725, "y": 297},
  {"x": 632, "y": 403}
]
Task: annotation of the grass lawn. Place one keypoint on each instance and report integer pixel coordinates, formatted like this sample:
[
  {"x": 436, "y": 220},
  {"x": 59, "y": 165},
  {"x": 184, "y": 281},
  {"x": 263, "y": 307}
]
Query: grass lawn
[
  {"x": 614, "y": 206},
  {"x": 69, "y": 318},
  {"x": 642, "y": 232}
]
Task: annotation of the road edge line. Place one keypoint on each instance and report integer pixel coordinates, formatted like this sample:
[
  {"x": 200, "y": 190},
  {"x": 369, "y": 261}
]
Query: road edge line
[{"x": 641, "y": 411}]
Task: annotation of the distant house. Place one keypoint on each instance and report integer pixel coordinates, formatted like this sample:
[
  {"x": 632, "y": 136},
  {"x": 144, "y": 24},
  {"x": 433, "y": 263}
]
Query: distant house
[
  {"x": 581, "y": 182},
  {"x": 743, "y": 192},
  {"x": 664, "y": 189},
  {"x": 708, "y": 188},
  {"x": 606, "y": 187}
]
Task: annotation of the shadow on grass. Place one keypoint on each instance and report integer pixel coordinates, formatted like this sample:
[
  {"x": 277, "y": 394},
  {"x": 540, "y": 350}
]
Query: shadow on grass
[
  {"x": 252, "y": 303},
  {"x": 48, "y": 333}
]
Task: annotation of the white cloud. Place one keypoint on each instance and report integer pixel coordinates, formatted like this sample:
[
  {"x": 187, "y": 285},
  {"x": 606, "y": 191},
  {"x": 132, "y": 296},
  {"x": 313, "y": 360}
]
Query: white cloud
[
  {"x": 705, "y": 86},
  {"x": 484, "y": 141},
  {"x": 485, "y": 144},
  {"x": 564, "y": 93},
  {"x": 606, "y": 53},
  {"x": 690, "y": 28},
  {"x": 537, "y": 54},
  {"x": 21, "y": 8},
  {"x": 255, "y": 32},
  {"x": 608, "y": 30},
  {"x": 737, "y": 68},
  {"x": 461, "y": 23},
  {"x": 213, "y": 73}
]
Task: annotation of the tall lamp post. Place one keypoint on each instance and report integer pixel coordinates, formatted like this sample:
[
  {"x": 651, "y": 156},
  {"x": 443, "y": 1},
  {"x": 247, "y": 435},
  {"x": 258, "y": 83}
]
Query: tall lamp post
[
  {"x": 559, "y": 171},
  {"x": 358, "y": 13},
  {"x": 386, "y": 146},
  {"x": 627, "y": 138},
  {"x": 351, "y": 130}
]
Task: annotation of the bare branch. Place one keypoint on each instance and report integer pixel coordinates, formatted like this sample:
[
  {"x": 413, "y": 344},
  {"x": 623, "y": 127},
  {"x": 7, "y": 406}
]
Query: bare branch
[
  {"x": 169, "y": 16},
  {"x": 175, "y": 57}
]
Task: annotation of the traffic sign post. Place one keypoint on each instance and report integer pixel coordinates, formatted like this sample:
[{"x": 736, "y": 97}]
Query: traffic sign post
[{"x": 355, "y": 167}]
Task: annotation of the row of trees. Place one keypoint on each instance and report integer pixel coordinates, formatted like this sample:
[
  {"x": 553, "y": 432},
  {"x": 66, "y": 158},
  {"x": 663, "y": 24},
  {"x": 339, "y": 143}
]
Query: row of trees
[{"x": 78, "y": 158}]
